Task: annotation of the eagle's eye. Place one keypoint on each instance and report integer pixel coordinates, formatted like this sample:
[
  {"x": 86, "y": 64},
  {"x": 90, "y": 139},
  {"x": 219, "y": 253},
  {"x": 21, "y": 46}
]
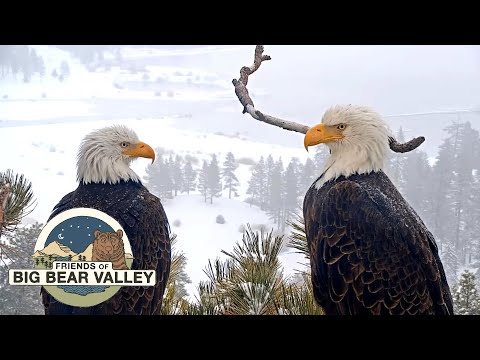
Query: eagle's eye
[
  {"x": 124, "y": 144},
  {"x": 341, "y": 126}
]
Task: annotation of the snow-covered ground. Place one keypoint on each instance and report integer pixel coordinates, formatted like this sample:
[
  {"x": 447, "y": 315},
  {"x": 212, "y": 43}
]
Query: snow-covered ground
[
  {"x": 201, "y": 238},
  {"x": 43, "y": 110}
]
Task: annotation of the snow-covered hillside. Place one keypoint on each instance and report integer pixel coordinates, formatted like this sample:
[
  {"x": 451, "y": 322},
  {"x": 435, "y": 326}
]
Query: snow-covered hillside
[{"x": 112, "y": 82}]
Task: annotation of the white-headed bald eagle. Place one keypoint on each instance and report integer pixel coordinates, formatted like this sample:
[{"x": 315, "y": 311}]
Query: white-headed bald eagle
[
  {"x": 370, "y": 253},
  {"x": 107, "y": 183}
]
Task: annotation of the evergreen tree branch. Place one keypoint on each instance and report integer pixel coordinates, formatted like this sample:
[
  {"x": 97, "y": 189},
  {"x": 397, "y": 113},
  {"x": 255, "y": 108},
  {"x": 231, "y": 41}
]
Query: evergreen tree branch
[
  {"x": 298, "y": 238},
  {"x": 16, "y": 200}
]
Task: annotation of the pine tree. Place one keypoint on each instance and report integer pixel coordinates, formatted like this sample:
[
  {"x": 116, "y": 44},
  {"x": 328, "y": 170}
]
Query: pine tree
[
  {"x": 228, "y": 175},
  {"x": 158, "y": 179},
  {"x": 152, "y": 176},
  {"x": 292, "y": 191},
  {"x": 308, "y": 176},
  {"x": 177, "y": 176},
  {"x": 322, "y": 153},
  {"x": 4, "y": 55},
  {"x": 189, "y": 177},
  {"x": 64, "y": 69},
  {"x": 250, "y": 281},
  {"x": 277, "y": 189},
  {"x": 41, "y": 67},
  {"x": 202, "y": 180},
  {"x": 27, "y": 60},
  {"x": 472, "y": 220},
  {"x": 442, "y": 182},
  {"x": 466, "y": 299},
  {"x": 256, "y": 183},
  {"x": 450, "y": 262},
  {"x": 265, "y": 189},
  {"x": 175, "y": 291},
  {"x": 16, "y": 200},
  {"x": 168, "y": 179},
  {"x": 465, "y": 163},
  {"x": 416, "y": 175},
  {"x": 21, "y": 300},
  {"x": 453, "y": 187},
  {"x": 214, "y": 185},
  {"x": 15, "y": 61}
]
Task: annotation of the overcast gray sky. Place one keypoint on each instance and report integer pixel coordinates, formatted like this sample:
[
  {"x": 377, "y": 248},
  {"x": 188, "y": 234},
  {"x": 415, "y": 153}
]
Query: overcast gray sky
[
  {"x": 301, "y": 81},
  {"x": 393, "y": 79}
]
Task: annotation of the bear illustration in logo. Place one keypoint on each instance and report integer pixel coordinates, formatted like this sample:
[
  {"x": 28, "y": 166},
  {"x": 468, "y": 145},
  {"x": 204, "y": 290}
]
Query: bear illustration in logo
[{"x": 108, "y": 246}]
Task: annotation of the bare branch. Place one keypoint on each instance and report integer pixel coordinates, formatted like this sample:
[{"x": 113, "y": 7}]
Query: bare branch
[
  {"x": 405, "y": 147},
  {"x": 248, "y": 107}
]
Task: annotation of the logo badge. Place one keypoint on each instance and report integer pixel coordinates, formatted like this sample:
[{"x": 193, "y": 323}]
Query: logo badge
[{"x": 82, "y": 258}]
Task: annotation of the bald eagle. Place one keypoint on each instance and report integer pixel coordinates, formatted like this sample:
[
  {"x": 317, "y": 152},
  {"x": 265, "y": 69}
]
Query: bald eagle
[
  {"x": 107, "y": 183},
  {"x": 370, "y": 253}
]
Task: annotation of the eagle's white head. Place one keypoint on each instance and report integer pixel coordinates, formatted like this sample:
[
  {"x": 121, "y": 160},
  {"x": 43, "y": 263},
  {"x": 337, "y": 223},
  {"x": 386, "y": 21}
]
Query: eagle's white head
[
  {"x": 358, "y": 139},
  {"x": 105, "y": 155}
]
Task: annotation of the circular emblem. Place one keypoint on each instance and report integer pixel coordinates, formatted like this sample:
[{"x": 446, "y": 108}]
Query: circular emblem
[{"x": 87, "y": 256}]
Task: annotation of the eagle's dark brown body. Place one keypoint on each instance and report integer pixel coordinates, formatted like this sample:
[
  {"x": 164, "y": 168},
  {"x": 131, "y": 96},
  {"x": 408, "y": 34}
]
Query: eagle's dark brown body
[
  {"x": 370, "y": 253},
  {"x": 144, "y": 220}
]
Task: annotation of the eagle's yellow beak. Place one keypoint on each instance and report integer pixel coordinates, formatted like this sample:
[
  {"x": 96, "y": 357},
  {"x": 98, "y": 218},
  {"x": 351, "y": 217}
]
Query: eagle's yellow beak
[
  {"x": 319, "y": 134},
  {"x": 140, "y": 149}
]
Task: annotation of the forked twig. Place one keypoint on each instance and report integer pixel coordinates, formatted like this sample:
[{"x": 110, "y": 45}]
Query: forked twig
[{"x": 248, "y": 107}]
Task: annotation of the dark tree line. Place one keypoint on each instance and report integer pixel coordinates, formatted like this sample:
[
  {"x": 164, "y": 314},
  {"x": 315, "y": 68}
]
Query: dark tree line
[
  {"x": 20, "y": 59},
  {"x": 278, "y": 190},
  {"x": 24, "y": 60},
  {"x": 89, "y": 53},
  {"x": 93, "y": 56},
  {"x": 172, "y": 175}
]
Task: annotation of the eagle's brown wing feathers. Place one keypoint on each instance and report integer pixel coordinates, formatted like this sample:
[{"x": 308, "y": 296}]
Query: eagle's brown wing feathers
[{"x": 366, "y": 258}]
